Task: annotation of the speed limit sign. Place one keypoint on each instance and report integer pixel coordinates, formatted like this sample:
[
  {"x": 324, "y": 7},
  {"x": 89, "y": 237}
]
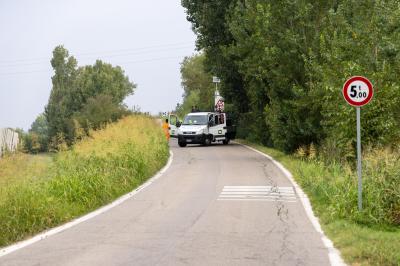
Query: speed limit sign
[{"x": 358, "y": 91}]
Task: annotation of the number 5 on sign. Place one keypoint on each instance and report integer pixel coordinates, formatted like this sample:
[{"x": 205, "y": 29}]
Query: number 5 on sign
[{"x": 358, "y": 91}]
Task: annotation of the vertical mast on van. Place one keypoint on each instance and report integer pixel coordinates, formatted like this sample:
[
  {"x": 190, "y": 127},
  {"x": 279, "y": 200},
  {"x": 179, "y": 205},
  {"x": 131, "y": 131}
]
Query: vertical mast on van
[{"x": 218, "y": 100}]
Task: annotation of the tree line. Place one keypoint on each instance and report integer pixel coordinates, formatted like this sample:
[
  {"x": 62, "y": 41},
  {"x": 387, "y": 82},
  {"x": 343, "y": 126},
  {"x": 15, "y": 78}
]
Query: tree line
[
  {"x": 196, "y": 84},
  {"x": 283, "y": 65},
  {"x": 82, "y": 99}
]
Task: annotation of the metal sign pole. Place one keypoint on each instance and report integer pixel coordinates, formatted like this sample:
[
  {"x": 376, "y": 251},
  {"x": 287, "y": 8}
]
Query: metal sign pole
[{"x": 359, "y": 159}]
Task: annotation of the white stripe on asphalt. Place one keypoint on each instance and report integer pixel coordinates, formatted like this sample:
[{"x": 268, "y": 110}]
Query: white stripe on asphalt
[
  {"x": 257, "y": 196},
  {"x": 256, "y": 189},
  {"x": 265, "y": 187},
  {"x": 247, "y": 199},
  {"x": 263, "y": 193},
  {"x": 255, "y": 193}
]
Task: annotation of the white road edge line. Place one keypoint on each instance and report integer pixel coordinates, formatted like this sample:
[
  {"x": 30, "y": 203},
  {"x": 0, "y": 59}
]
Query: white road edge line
[
  {"x": 61, "y": 228},
  {"x": 333, "y": 254}
]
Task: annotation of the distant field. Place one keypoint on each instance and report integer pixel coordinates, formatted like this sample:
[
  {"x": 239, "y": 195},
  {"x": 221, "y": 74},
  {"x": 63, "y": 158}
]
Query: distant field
[
  {"x": 23, "y": 167},
  {"x": 41, "y": 191}
]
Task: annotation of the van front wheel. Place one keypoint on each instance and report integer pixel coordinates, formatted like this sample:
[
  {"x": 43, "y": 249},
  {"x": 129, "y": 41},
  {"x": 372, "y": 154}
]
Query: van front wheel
[
  {"x": 207, "y": 141},
  {"x": 182, "y": 144}
]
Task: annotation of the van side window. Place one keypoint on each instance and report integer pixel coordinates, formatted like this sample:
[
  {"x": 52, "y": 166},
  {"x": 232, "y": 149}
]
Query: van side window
[
  {"x": 172, "y": 120},
  {"x": 221, "y": 119},
  {"x": 211, "y": 119}
]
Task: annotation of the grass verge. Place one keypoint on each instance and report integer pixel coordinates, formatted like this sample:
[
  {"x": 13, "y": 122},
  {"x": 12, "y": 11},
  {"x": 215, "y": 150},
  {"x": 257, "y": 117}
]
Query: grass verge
[
  {"x": 96, "y": 171},
  {"x": 360, "y": 242}
]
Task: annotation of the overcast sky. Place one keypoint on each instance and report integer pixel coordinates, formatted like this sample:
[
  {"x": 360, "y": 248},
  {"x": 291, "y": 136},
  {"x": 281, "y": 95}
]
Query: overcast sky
[{"x": 148, "y": 39}]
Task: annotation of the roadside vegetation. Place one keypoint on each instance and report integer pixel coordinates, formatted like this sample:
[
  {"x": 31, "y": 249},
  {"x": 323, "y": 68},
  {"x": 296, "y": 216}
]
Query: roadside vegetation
[
  {"x": 41, "y": 191},
  {"x": 371, "y": 237},
  {"x": 20, "y": 167}
]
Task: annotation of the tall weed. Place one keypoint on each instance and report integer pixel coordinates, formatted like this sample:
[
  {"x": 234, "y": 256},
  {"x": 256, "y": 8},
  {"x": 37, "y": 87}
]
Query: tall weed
[{"x": 335, "y": 186}]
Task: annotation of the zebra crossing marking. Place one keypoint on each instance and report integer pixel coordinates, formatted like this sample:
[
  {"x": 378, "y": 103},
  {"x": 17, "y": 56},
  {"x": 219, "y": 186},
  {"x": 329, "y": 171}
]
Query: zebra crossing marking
[{"x": 258, "y": 193}]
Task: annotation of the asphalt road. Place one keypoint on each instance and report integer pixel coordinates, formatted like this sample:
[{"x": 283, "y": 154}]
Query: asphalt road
[{"x": 217, "y": 205}]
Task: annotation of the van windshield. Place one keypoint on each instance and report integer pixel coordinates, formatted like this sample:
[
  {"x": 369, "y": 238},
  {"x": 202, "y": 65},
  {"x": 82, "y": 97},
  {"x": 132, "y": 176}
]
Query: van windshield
[{"x": 195, "y": 120}]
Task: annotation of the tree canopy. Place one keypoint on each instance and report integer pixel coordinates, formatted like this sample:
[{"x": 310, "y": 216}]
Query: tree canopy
[
  {"x": 82, "y": 98},
  {"x": 197, "y": 85},
  {"x": 283, "y": 65}
]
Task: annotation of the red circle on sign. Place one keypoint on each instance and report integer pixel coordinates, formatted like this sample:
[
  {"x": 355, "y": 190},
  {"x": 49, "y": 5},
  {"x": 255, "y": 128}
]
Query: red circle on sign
[{"x": 348, "y": 98}]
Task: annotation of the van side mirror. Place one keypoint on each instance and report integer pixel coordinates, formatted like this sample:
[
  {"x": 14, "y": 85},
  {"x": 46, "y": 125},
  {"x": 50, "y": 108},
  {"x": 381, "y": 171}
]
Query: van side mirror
[{"x": 178, "y": 123}]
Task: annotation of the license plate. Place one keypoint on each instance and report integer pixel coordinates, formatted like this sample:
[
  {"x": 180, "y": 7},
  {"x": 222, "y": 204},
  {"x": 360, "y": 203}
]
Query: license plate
[{"x": 188, "y": 140}]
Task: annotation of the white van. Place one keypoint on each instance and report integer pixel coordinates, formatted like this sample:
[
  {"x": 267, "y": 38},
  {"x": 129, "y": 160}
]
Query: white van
[{"x": 202, "y": 128}]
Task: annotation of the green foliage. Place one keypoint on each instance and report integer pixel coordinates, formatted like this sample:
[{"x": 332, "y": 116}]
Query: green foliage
[
  {"x": 197, "y": 85},
  {"x": 37, "y": 139},
  {"x": 64, "y": 97},
  {"x": 353, "y": 45},
  {"x": 103, "y": 79},
  {"x": 189, "y": 101},
  {"x": 49, "y": 192},
  {"x": 31, "y": 142},
  {"x": 97, "y": 111},
  {"x": 363, "y": 245},
  {"x": 79, "y": 92},
  {"x": 283, "y": 64},
  {"x": 40, "y": 125},
  {"x": 209, "y": 21},
  {"x": 382, "y": 186},
  {"x": 196, "y": 79}
]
